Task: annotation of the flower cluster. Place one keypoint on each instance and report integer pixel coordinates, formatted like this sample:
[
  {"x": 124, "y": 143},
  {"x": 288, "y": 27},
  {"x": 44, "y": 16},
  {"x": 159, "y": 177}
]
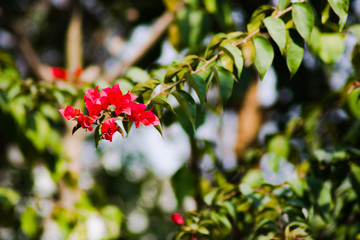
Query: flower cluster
[
  {"x": 107, "y": 106},
  {"x": 63, "y": 75}
]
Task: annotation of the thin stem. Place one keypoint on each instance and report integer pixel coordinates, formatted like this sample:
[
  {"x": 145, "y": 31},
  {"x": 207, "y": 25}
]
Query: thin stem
[{"x": 164, "y": 90}]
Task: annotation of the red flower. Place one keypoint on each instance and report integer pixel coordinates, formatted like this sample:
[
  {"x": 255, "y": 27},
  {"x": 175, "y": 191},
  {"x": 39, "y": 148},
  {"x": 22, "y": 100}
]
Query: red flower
[
  {"x": 121, "y": 102},
  {"x": 140, "y": 116},
  {"x": 95, "y": 101},
  {"x": 77, "y": 73},
  {"x": 177, "y": 219},
  {"x": 86, "y": 121},
  {"x": 109, "y": 128},
  {"x": 193, "y": 238},
  {"x": 59, "y": 73},
  {"x": 69, "y": 112}
]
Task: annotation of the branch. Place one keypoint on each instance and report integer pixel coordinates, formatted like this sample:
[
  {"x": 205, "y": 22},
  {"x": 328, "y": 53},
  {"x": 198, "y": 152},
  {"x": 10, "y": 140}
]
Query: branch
[
  {"x": 74, "y": 39},
  {"x": 157, "y": 30}
]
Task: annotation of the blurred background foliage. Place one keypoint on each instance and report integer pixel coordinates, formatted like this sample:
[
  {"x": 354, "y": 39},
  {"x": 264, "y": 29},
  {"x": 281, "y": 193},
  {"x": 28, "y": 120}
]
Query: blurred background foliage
[{"x": 280, "y": 161}]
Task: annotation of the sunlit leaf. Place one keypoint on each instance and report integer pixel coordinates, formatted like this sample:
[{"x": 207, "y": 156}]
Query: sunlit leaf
[
  {"x": 303, "y": 16},
  {"x": 341, "y": 8},
  {"x": 294, "y": 51},
  {"x": 276, "y": 28},
  {"x": 264, "y": 55},
  {"x": 257, "y": 17},
  {"x": 236, "y": 56}
]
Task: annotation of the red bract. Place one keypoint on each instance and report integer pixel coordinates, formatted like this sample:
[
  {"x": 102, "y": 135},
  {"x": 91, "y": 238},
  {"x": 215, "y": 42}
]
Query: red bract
[
  {"x": 109, "y": 128},
  {"x": 193, "y": 238},
  {"x": 121, "y": 102},
  {"x": 140, "y": 116},
  {"x": 177, "y": 219},
  {"x": 77, "y": 73},
  {"x": 69, "y": 112},
  {"x": 86, "y": 121},
  {"x": 59, "y": 73},
  {"x": 95, "y": 101}
]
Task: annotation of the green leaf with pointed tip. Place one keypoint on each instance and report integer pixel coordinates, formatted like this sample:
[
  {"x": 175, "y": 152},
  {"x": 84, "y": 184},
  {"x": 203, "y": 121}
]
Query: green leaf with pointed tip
[
  {"x": 214, "y": 43},
  {"x": 225, "y": 81},
  {"x": 159, "y": 129},
  {"x": 264, "y": 55},
  {"x": 187, "y": 104},
  {"x": 257, "y": 17},
  {"x": 283, "y": 4},
  {"x": 198, "y": 84},
  {"x": 127, "y": 126},
  {"x": 76, "y": 127},
  {"x": 303, "y": 16},
  {"x": 325, "y": 13},
  {"x": 163, "y": 101},
  {"x": 277, "y": 31},
  {"x": 236, "y": 55},
  {"x": 320, "y": 196},
  {"x": 97, "y": 136},
  {"x": 294, "y": 51},
  {"x": 341, "y": 8},
  {"x": 174, "y": 68}
]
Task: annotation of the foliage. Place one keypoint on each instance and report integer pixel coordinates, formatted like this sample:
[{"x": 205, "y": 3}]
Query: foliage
[{"x": 300, "y": 182}]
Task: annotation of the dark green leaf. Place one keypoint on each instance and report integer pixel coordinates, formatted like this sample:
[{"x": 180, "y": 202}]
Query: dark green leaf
[
  {"x": 355, "y": 179},
  {"x": 303, "y": 16},
  {"x": 174, "y": 68},
  {"x": 355, "y": 58},
  {"x": 163, "y": 101},
  {"x": 320, "y": 197},
  {"x": 236, "y": 55},
  {"x": 264, "y": 55},
  {"x": 294, "y": 51},
  {"x": 127, "y": 126},
  {"x": 277, "y": 31},
  {"x": 159, "y": 129},
  {"x": 198, "y": 84},
  {"x": 187, "y": 104},
  {"x": 76, "y": 127},
  {"x": 97, "y": 136},
  {"x": 225, "y": 81},
  {"x": 341, "y": 8}
]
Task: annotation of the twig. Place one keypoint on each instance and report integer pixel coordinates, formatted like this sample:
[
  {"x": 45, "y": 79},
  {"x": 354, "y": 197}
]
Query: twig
[{"x": 164, "y": 90}]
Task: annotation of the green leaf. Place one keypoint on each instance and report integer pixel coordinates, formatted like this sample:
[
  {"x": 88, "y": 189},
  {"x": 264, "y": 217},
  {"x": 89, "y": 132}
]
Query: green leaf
[
  {"x": 236, "y": 55},
  {"x": 257, "y": 17},
  {"x": 355, "y": 179},
  {"x": 198, "y": 84},
  {"x": 325, "y": 13},
  {"x": 294, "y": 51},
  {"x": 225, "y": 81},
  {"x": 76, "y": 127},
  {"x": 30, "y": 222},
  {"x": 277, "y": 31},
  {"x": 163, "y": 101},
  {"x": 137, "y": 74},
  {"x": 97, "y": 136},
  {"x": 298, "y": 186},
  {"x": 174, "y": 68},
  {"x": 341, "y": 8},
  {"x": 183, "y": 183},
  {"x": 224, "y": 220},
  {"x": 283, "y": 4},
  {"x": 320, "y": 197},
  {"x": 159, "y": 129},
  {"x": 303, "y": 16},
  {"x": 127, "y": 126},
  {"x": 187, "y": 104},
  {"x": 355, "y": 58},
  {"x": 264, "y": 55},
  {"x": 214, "y": 43}
]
